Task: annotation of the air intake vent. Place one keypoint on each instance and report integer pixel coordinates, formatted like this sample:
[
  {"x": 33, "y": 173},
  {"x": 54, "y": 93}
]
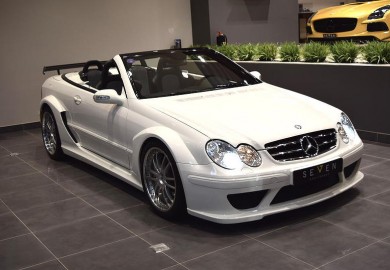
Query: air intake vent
[{"x": 303, "y": 146}]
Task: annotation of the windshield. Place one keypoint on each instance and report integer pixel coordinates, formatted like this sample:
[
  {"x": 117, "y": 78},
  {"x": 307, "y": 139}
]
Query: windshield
[{"x": 178, "y": 72}]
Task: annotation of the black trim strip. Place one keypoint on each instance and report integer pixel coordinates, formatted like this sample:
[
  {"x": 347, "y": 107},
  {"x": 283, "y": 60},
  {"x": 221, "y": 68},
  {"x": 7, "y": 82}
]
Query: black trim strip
[
  {"x": 58, "y": 68},
  {"x": 65, "y": 121},
  {"x": 63, "y": 76}
]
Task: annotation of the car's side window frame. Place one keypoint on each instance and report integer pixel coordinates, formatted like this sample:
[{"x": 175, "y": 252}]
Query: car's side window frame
[{"x": 88, "y": 89}]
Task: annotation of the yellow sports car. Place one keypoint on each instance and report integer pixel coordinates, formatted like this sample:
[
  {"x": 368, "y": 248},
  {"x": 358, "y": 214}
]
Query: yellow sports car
[{"x": 361, "y": 21}]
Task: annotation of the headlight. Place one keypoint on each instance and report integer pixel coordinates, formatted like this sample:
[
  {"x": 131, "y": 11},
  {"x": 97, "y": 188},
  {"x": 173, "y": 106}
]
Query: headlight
[
  {"x": 346, "y": 129},
  {"x": 249, "y": 155},
  {"x": 226, "y": 156},
  {"x": 379, "y": 13}
]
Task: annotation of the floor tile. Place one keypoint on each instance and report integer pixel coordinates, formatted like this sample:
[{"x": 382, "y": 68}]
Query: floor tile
[
  {"x": 3, "y": 153},
  {"x": 37, "y": 132},
  {"x": 240, "y": 256},
  {"x": 383, "y": 198},
  {"x": 7, "y": 160},
  {"x": 10, "y": 226},
  {"x": 315, "y": 242},
  {"x": 140, "y": 219},
  {"x": 372, "y": 185},
  {"x": 88, "y": 185},
  {"x": 21, "y": 252},
  {"x": 16, "y": 138},
  {"x": 193, "y": 240},
  {"x": 365, "y": 217},
  {"x": 67, "y": 173},
  {"x": 377, "y": 149},
  {"x": 78, "y": 236},
  {"x": 176, "y": 267},
  {"x": 20, "y": 183},
  {"x": 56, "y": 214},
  {"x": 38, "y": 156},
  {"x": 35, "y": 197},
  {"x": 32, "y": 146},
  {"x": 374, "y": 257},
  {"x": 381, "y": 170},
  {"x": 368, "y": 161},
  {"x": 15, "y": 135},
  {"x": 113, "y": 199},
  {"x": 3, "y": 208},
  {"x": 48, "y": 166},
  {"x": 15, "y": 170},
  {"x": 132, "y": 253},
  {"x": 52, "y": 265}
]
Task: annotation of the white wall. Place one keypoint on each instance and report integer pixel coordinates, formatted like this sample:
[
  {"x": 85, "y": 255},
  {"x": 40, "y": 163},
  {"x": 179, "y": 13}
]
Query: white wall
[
  {"x": 315, "y": 5},
  {"x": 35, "y": 33}
]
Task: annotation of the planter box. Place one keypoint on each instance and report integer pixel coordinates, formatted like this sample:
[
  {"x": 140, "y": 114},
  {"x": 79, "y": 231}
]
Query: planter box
[{"x": 362, "y": 91}]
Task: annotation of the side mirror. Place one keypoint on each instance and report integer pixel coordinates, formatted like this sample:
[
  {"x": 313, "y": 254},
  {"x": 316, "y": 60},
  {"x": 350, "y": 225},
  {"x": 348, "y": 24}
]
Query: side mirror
[
  {"x": 256, "y": 74},
  {"x": 107, "y": 96}
]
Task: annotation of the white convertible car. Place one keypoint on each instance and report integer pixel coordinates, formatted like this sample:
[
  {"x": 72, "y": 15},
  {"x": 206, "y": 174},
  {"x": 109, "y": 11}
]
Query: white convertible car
[{"x": 199, "y": 134}]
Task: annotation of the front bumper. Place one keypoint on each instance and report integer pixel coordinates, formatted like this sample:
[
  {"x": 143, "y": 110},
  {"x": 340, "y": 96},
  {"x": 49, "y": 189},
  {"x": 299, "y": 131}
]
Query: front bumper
[
  {"x": 208, "y": 187},
  {"x": 365, "y": 30}
]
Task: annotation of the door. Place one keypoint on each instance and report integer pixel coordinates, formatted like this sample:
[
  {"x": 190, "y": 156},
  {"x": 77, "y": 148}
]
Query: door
[{"x": 102, "y": 128}]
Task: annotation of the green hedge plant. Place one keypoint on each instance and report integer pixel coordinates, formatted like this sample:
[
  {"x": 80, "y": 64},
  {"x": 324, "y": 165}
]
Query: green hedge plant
[
  {"x": 341, "y": 52},
  {"x": 267, "y": 51},
  {"x": 289, "y": 52},
  {"x": 377, "y": 52},
  {"x": 229, "y": 50},
  {"x": 246, "y": 52},
  {"x": 315, "y": 52},
  {"x": 344, "y": 52}
]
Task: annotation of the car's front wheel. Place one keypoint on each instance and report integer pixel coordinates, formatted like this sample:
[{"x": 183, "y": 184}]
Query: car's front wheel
[
  {"x": 161, "y": 181},
  {"x": 50, "y": 136}
]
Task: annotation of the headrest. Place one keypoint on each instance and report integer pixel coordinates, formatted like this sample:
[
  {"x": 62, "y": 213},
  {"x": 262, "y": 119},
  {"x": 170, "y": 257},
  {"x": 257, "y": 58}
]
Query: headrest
[{"x": 174, "y": 59}]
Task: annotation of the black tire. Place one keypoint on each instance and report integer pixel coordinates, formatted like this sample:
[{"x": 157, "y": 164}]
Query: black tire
[
  {"x": 161, "y": 181},
  {"x": 50, "y": 136}
]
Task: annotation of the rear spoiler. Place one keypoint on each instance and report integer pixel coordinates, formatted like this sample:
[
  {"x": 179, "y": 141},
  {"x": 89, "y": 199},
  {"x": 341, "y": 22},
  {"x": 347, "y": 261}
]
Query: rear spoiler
[{"x": 58, "y": 68}]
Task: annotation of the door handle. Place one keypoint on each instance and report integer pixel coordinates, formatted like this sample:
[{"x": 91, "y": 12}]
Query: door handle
[{"x": 77, "y": 100}]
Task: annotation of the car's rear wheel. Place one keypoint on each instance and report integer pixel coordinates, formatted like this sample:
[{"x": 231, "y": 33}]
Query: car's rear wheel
[
  {"x": 161, "y": 181},
  {"x": 50, "y": 136}
]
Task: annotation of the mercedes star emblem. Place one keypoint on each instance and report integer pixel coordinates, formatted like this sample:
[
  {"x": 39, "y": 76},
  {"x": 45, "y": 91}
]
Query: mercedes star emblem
[{"x": 309, "y": 146}]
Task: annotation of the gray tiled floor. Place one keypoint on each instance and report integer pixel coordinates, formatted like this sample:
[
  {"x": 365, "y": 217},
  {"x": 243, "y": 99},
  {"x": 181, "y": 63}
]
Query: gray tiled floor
[{"x": 68, "y": 215}]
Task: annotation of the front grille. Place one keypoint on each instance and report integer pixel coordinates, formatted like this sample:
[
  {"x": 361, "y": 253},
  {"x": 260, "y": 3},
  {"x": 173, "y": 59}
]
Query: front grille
[
  {"x": 377, "y": 27},
  {"x": 246, "y": 200},
  {"x": 292, "y": 149},
  {"x": 289, "y": 193},
  {"x": 335, "y": 25}
]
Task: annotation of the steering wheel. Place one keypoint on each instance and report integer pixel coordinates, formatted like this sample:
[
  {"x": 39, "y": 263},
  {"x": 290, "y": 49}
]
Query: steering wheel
[{"x": 84, "y": 73}]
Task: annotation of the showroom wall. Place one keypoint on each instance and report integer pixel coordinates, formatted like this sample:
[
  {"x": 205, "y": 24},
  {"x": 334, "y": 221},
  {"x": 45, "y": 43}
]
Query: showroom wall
[
  {"x": 315, "y": 5},
  {"x": 254, "y": 20},
  {"x": 48, "y": 32}
]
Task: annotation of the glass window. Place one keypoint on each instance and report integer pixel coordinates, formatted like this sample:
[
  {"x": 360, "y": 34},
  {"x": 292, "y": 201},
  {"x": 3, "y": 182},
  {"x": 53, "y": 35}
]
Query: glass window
[{"x": 178, "y": 72}]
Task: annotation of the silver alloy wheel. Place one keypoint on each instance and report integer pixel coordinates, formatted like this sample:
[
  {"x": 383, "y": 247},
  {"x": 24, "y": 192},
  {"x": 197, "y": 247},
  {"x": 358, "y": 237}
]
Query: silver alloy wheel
[
  {"x": 160, "y": 179},
  {"x": 49, "y": 133}
]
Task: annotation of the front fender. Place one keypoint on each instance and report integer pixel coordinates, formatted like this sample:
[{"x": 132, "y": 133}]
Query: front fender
[
  {"x": 54, "y": 104},
  {"x": 186, "y": 151},
  {"x": 58, "y": 109}
]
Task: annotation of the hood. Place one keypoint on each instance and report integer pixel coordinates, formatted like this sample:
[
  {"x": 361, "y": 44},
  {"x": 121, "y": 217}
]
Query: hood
[
  {"x": 354, "y": 10},
  {"x": 255, "y": 114}
]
